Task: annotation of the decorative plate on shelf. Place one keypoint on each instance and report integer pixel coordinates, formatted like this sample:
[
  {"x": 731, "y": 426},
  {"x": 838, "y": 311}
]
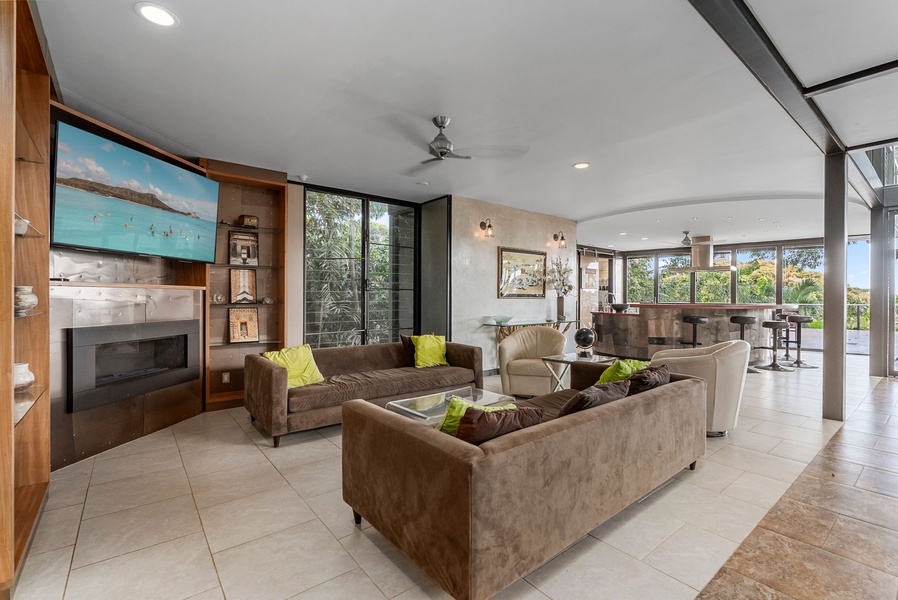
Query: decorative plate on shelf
[{"x": 218, "y": 298}]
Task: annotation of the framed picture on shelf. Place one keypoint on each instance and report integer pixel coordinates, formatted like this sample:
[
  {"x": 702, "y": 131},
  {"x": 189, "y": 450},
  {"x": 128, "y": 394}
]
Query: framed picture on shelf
[
  {"x": 243, "y": 286},
  {"x": 243, "y": 247},
  {"x": 522, "y": 273},
  {"x": 243, "y": 325}
]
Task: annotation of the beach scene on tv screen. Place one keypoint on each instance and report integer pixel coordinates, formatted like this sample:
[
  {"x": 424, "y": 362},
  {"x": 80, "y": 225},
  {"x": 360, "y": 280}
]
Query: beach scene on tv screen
[{"x": 112, "y": 197}]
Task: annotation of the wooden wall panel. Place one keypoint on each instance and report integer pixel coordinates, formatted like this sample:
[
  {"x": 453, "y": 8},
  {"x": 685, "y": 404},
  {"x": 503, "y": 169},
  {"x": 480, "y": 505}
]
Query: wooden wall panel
[{"x": 7, "y": 170}]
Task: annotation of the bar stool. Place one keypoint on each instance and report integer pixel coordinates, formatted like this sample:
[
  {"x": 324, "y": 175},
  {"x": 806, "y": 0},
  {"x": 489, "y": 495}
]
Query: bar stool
[
  {"x": 695, "y": 320},
  {"x": 742, "y": 321},
  {"x": 787, "y": 340},
  {"x": 776, "y": 327},
  {"x": 799, "y": 320}
]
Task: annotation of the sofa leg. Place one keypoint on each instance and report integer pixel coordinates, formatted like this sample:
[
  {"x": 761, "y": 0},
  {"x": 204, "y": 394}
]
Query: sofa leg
[
  {"x": 692, "y": 465},
  {"x": 277, "y": 440},
  {"x": 357, "y": 517}
]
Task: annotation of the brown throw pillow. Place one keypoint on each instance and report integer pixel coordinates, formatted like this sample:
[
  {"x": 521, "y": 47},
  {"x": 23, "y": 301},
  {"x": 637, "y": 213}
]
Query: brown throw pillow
[
  {"x": 595, "y": 395},
  {"x": 408, "y": 350},
  {"x": 648, "y": 378},
  {"x": 478, "y": 426}
]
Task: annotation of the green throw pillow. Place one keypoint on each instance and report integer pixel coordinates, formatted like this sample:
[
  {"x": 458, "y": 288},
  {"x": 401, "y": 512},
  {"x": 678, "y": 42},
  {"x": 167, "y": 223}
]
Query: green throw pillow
[
  {"x": 621, "y": 369},
  {"x": 430, "y": 350},
  {"x": 457, "y": 409},
  {"x": 300, "y": 365}
]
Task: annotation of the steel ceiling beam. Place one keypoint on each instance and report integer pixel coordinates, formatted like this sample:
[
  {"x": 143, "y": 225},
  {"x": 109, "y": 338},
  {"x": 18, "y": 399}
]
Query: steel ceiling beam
[
  {"x": 740, "y": 30},
  {"x": 846, "y": 80}
]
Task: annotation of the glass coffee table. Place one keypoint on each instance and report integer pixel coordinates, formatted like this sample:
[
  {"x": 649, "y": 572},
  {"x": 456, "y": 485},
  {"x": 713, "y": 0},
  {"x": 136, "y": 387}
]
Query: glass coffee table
[
  {"x": 431, "y": 408},
  {"x": 567, "y": 360}
]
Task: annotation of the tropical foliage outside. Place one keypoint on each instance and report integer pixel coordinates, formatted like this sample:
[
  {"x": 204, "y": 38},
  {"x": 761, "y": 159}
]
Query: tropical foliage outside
[{"x": 755, "y": 282}]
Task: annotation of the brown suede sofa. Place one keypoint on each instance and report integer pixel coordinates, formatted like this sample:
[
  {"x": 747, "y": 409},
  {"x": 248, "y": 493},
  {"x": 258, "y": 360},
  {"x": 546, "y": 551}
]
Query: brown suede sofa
[
  {"x": 477, "y": 518},
  {"x": 377, "y": 373}
]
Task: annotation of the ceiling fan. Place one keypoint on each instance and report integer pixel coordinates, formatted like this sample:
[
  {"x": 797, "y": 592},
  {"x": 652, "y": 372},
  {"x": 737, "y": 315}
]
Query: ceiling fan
[
  {"x": 703, "y": 240},
  {"x": 686, "y": 241},
  {"x": 441, "y": 148}
]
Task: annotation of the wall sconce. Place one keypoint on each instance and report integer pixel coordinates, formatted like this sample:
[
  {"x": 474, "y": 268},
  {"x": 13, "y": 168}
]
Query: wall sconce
[
  {"x": 559, "y": 237},
  {"x": 488, "y": 227}
]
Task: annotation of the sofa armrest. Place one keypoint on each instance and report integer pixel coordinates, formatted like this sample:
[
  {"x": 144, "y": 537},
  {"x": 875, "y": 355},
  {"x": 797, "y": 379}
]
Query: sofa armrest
[
  {"x": 585, "y": 374},
  {"x": 413, "y": 484},
  {"x": 265, "y": 393},
  {"x": 471, "y": 357}
]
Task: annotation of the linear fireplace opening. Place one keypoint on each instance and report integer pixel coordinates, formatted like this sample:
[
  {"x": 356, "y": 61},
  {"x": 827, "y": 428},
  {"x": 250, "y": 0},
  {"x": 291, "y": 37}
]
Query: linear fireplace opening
[{"x": 113, "y": 362}]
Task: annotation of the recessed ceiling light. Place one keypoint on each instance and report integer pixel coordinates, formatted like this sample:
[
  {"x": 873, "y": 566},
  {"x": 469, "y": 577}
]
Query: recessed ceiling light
[
  {"x": 760, "y": 218},
  {"x": 643, "y": 239},
  {"x": 611, "y": 245},
  {"x": 657, "y": 220},
  {"x": 695, "y": 218},
  {"x": 622, "y": 233},
  {"x": 157, "y": 14},
  {"x": 422, "y": 183},
  {"x": 729, "y": 218},
  {"x": 581, "y": 165}
]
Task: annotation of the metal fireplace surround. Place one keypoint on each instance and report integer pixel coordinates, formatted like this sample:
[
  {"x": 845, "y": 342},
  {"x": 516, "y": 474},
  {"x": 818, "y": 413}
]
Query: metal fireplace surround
[{"x": 139, "y": 358}]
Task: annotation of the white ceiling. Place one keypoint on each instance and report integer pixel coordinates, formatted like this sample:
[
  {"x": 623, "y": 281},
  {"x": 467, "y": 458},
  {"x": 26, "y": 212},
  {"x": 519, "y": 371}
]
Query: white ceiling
[{"x": 343, "y": 91}]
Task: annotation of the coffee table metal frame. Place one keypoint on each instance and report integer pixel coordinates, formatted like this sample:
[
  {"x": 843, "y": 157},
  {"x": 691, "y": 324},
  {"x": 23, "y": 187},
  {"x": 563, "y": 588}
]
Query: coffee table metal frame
[{"x": 567, "y": 360}]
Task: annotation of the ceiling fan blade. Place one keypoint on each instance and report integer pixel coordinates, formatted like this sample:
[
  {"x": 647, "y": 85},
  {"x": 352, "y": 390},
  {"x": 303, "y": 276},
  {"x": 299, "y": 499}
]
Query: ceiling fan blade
[
  {"x": 430, "y": 160},
  {"x": 454, "y": 155},
  {"x": 423, "y": 166},
  {"x": 401, "y": 125}
]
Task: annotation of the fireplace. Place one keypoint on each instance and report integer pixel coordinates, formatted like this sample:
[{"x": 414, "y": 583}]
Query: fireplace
[{"x": 112, "y": 362}]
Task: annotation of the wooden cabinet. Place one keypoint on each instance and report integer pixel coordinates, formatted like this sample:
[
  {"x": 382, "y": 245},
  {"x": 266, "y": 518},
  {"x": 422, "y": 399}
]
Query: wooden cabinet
[
  {"x": 261, "y": 193},
  {"x": 24, "y": 193}
]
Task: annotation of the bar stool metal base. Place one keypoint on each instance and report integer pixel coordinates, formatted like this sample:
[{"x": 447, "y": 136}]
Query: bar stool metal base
[
  {"x": 715, "y": 434},
  {"x": 775, "y": 366},
  {"x": 800, "y": 364},
  {"x": 753, "y": 370}
]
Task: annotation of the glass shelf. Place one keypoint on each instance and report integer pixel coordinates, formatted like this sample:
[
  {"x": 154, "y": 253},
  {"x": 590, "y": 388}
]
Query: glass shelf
[
  {"x": 259, "y": 229},
  {"x": 260, "y": 343},
  {"x": 31, "y": 230},
  {"x": 25, "y": 400},
  {"x": 30, "y": 314}
]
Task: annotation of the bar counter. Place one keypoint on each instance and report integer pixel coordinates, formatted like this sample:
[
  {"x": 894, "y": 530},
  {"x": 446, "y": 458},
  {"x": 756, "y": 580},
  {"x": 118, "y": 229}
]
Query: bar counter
[{"x": 657, "y": 327}]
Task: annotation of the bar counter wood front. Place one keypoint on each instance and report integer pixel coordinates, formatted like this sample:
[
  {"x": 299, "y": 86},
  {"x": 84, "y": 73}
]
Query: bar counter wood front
[{"x": 660, "y": 326}]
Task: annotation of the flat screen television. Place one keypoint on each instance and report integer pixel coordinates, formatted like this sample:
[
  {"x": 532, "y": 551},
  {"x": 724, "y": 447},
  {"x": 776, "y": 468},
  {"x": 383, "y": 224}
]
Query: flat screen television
[{"x": 110, "y": 197}]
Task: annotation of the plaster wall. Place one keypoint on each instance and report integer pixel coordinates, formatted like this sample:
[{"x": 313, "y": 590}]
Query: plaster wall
[{"x": 475, "y": 273}]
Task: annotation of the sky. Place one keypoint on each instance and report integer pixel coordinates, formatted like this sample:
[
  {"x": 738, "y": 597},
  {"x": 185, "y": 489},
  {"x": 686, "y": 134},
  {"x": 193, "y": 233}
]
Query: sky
[
  {"x": 86, "y": 156},
  {"x": 859, "y": 265}
]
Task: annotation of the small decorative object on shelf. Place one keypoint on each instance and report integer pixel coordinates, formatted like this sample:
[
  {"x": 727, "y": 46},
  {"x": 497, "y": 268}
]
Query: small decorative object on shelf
[
  {"x": 585, "y": 339},
  {"x": 25, "y": 300},
  {"x": 243, "y": 325},
  {"x": 267, "y": 300},
  {"x": 22, "y": 377},
  {"x": 21, "y": 226},
  {"x": 243, "y": 286},
  {"x": 218, "y": 298},
  {"x": 248, "y": 221}
]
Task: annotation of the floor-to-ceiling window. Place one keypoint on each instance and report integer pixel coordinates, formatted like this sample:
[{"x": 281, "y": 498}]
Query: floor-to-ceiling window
[
  {"x": 756, "y": 276},
  {"x": 715, "y": 286},
  {"x": 359, "y": 269},
  {"x": 674, "y": 287},
  {"x": 640, "y": 279}
]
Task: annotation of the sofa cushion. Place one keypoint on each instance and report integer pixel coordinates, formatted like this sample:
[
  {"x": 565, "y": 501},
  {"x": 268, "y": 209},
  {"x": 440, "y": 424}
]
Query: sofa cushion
[
  {"x": 596, "y": 395},
  {"x": 534, "y": 367},
  {"x": 648, "y": 378},
  {"x": 477, "y": 426},
  {"x": 430, "y": 350},
  {"x": 550, "y": 403},
  {"x": 621, "y": 369},
  {"x": 408, "y": 350},
  {"x": 300, "y": 365},
  {"x": 457, "y": 409},
  {"x": 370, "y": 385}
]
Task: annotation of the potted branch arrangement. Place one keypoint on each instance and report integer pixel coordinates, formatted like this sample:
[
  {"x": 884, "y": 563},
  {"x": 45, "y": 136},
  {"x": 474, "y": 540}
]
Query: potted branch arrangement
[{"x": 558, "y": 275}]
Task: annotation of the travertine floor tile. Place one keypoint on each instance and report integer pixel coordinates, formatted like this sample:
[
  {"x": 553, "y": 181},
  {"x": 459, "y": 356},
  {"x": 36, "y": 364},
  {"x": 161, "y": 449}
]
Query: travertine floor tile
[
  {"x": 307, "y": 450},
  {"x": 67, "y": 491},
  {"x": 800, "y": 521},
  {"x": 135, "y": 491},
  {"x": 390, "y": 570},
  {"x": 203, "y": 462},
  {"x": 730, "y": 585},
  {"x": 881, "y": 482},
  {"x": 205, "y": 422},
  {"x": 141, "y": 463},
  {"x": 637, "y": 530},
  {"x": 316, "y": 478},
  {"x": 44, "y": 575},
  {"x": 232, "y": 484},
  {"x": 756, "y": 489},
  {"x": 759, "y": 463},
  {"x": 867, "y": 544},
  {"x": 157, "y": 440},
  {"x": 57, "y": 529},
  {"x": 80, "y": 468},
  {"x": 828, "y": 468},
  {"x": 354, "y": 584},
  {"x": 192, "y": 441},
  {"x": 846, "y": 500},
  {"x": 335, "y": 514},
  {"x": 795, "y": 451},
  {"x": 710, "y": 475},
  {"x": 806, "y": 572}
]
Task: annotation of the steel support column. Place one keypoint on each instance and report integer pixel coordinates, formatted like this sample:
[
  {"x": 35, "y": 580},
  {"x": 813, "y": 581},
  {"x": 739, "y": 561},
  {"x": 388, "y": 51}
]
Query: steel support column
[
  {"x": 835, "y": 272},
  {"x": 881, "y": 242}
]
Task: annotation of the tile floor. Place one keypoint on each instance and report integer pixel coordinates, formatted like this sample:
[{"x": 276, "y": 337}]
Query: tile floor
[{"x": 207, "y": 509}]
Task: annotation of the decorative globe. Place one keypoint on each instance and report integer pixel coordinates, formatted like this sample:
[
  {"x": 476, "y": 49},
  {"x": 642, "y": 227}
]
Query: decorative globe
[{"x": 585, "y": 337}]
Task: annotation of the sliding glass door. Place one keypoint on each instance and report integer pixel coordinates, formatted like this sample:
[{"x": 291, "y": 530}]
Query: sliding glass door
[{"x": 359, "y": 270}]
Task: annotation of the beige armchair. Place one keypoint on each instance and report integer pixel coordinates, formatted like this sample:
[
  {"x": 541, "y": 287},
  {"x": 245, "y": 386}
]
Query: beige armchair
[
  {"x": 521, "y": 369},
  {"x": 723, "y": 367}
]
